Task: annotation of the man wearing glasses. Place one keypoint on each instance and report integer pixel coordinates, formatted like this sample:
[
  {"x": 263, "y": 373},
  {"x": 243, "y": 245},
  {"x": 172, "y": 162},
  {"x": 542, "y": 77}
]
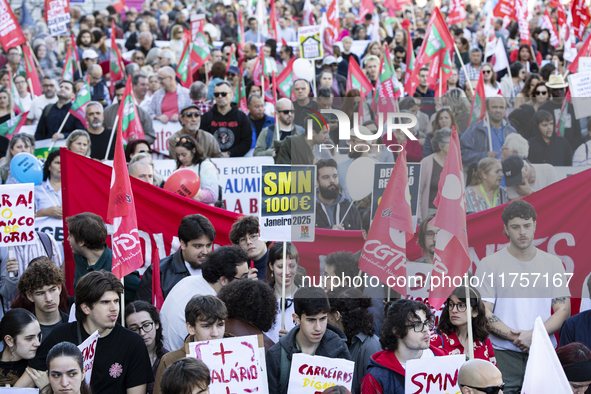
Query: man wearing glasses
[
  {"x": 229, "y": 126},
  {"x": 405, "y": 336},
  {"x": 191, "y": 121},
  {"x": 169, "y": 99},
  {"x": 271, "y": 136},
  {"x": 38, "y": 104},
  {"x": 245, "y": 234},
  {"x": 480, "y": 376},
  {"x": 400, "y": 57}
]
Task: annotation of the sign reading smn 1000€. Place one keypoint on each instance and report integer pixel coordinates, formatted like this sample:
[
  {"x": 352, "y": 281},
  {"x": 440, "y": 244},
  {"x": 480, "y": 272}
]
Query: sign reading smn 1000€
[{"x": 288, "y": 203}]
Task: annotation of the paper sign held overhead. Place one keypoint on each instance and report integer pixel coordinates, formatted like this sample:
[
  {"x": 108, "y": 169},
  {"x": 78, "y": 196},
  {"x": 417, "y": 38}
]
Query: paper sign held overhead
[
  {"x": 309, "y": 38},
  {"x": 313, "y": 374},
  {"x": 17, "y": 214},
  {"x": 580, "y": 90}
]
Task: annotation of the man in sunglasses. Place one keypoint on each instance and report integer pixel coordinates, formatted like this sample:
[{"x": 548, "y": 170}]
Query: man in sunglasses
[
  {"x": 400, "y": 57},
  {"x": 191, "y": 121},
  {"x": 480, "y": 376},
  {"x": 405, "y": 336},
  {"x": 270, "y": 137},
  {"x": 229, "y": 126}
]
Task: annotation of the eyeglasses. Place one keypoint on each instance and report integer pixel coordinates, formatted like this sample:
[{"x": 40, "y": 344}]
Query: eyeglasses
[
  {"x": 218, "y": 94},
  {"x": 541, "y": 92},
  {"x": 286, "y": 112},
  {"x": 487, "y": 390},
  {"x": 461, "y": 306},
  {"x": 401, "y": 58},
  {"x": 49, "y": 86},
  {"x": 431, "y": 234},
  {"x": 192, "y": 114},
  {"x": 146, "y": 327},
  {"x": 420, "y": 326},
  {"x": 486, "y": 71},
  {"x": 230, "y": 75},
  {"x": 250, "y": 238}
]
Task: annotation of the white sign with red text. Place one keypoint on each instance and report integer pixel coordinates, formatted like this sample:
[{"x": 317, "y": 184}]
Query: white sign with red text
[
  {"x": 88, "y": 349},
  {"x": 312, "y": 374},
  {"x": 435, "y": 375}
]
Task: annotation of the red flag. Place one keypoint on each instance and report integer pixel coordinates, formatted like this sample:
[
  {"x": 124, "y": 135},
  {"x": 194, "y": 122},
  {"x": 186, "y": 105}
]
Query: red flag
[
  {"x": 478, "y": 108},
  {"x": 585, "y": 51},
  {"x": 504, "y": 9},
  {"x": 283, "y": 42},
  {"x": 156, "y": 286},
  {"x": 119, "y": 5},
  {"x": 457, "y": 12},
  {"x": 240, "y": 35},
  {"x": 127, "y": 252},
  {"x": 560, "y": 11},
  {"x": 273, "y": 21},
  {"x": 356, "y": 79},
  {"x": 116, "y": 62},
  {"x": 308, "y": 14},
  {"x": 451, "y": 248},
  {"x": 129, "y": 121},
  {"x": 366, "y": 7},
  {"x": 31, "y": 70},
  {"x": 581, "y": 16},
  {"x": 521, "y": 15},
  {"x": 331, "y": 23},
  {"x": 548, "y": 24},
  {"x": 274, "y": 82},
  {"x": 391, "y": 229},
  {"x": 11, "y": 34}
]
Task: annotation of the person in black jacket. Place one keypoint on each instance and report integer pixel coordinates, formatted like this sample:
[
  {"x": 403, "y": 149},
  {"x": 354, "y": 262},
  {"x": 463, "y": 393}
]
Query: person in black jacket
[
  {"x": 332, "y": 209},
  {"x": 196, "y": 234},
  {"x": 547, "y": 146},
  {"x": 230, "y": 126},
  {"x": 54, "y": 115}
]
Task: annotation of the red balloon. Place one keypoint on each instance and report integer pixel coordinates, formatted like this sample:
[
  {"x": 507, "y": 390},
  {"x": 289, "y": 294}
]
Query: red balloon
[{"x": 184, "y": 182}]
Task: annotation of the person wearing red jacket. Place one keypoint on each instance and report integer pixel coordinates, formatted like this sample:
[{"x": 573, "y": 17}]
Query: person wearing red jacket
[{"x": 404, "y": 336}]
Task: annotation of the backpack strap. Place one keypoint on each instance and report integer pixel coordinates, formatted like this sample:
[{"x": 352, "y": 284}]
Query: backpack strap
[
  {"x": 285, "y": 366},
  {"x": 46, "y": 242},
  {"x": 47, "y": 108}
]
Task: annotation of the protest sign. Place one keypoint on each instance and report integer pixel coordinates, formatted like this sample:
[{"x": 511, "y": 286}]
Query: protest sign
[
  {"x": 288, "y": 203},
  {"x": 436, "y": 375},
  {"x": 11, "y": 34},
  {"x": 310, "y": 42},
  {"x": 197, "y": 23},
  {"x": 163, "y": 132},
  {"x": 313, "y": 374},
  {"x": 580, "y": 90},
  {"x": 236, "y": 364},
  {"x": 584, "y": 64},
  {"x": 17, "y": 216},
  {"x": 88, "y": 349},
  {"x": 382, "y": 172},
  {"x": 58, "y": 17}
]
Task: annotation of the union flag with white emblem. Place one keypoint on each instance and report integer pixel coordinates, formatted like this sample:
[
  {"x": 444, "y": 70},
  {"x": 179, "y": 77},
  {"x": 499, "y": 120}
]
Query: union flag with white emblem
[{"x": 451, "y": 248}]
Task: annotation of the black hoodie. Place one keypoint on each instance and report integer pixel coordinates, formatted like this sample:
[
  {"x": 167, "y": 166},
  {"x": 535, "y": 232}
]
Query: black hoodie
[
  {"x": 232, "y": 131},
  {"x": 557, "y": 153}
]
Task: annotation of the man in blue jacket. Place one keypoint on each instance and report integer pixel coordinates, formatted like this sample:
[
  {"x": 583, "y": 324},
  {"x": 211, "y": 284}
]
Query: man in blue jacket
[{"x": 257, "y": 117}]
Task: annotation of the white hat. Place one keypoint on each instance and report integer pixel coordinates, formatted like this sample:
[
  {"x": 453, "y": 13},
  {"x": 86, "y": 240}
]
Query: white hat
[{"x": 89, "y": 54}]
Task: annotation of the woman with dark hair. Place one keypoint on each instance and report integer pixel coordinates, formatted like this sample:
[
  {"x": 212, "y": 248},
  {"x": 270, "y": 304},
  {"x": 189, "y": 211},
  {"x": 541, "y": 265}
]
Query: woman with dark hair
[
  {"x": 21, "y": 336},
  {"x": 251, "y": 308},
  {"x": 524, "y": 55},
  {"x": 136, "y": 146},
  {"x": 65, "y": 368},
  {"x": 512, "y": 83},
  {"x": 6, "y": 105},
  {"x": 143, "y": 318},
  {"x": 189, "y": 154},
  {"x": 350, "y": 312},
  {"x": 275, "y": 267},
  {"x": 527, "y": 91},
  {"x": 546, "y": 146},
  {"x": 218, "y": 74},
  {"x": 452, "y": 331},
  {"x": 48, "y": 195},
  {"x": 575, "y": 359}
]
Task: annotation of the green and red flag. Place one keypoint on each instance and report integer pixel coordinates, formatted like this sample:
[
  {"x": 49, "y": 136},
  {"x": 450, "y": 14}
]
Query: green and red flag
[
  {"x": 445, "y": 67},
  {"x": 564, "y": 117},
  {"x": 183, "y": 70},
  {"x": 116, "y": 62},
  {"x": 232, "y": 61},
  {"x": 356, "y": 79},
  {"x": 285, "y": 80},
  {"x": 478, "y": 108},
  {"x": 272, "y": 28},
  {"x": 69, "y": 66},
  {"x": 240, "y": 35},
  {"x": 31, "y": 70},
  {"x": 13, "y": 126},
  {"x": 241, "y": 93},
  {"x": 585, "y": 51},
  {"x": 18, "y": 104},
  {"x": 129, "y": 120},
  {"x": 78, "y": 108},
  {"x": 200, "y": 50},
  {"x": 387, "y": 86}
]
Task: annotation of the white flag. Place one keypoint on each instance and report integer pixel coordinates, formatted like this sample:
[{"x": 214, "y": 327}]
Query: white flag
[
  {"x": 497, "y": 49},
  {"x": 543, "y": 372}
]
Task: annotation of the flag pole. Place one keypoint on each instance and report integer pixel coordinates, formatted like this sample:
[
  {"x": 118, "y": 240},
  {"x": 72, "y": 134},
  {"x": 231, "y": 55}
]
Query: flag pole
[
  {"x": 440, "y": 80},
  {"x": 283, "y": 284},
  {"x": 122, "y": 296},
  {"x": 63, "y": 123},
  {"x": 464, "y": 68},
  {"x": 489, "y": 134},
  {"x": 114, "y": 132},
  {"x": 469, "y": 321}
]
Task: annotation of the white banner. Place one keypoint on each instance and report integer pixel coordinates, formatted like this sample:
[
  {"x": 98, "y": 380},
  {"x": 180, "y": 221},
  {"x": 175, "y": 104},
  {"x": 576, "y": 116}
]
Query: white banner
[
  {"x": 436, "y": 375},
  {"x": 17, "y": 214},
  {"x": 163, "y": 132},
  {"x": 313, "y": 374},
  {"x": 88, "y": 349}
]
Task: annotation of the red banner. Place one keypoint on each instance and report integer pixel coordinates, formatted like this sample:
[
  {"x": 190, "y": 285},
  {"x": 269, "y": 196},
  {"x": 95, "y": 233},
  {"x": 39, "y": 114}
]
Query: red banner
[
  {"x": 562, "y": 208},
  {"x": 11, "y": 34}
]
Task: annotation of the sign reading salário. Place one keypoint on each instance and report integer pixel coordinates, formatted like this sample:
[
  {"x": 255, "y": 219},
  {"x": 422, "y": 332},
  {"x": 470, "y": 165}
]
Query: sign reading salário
[
  {"x": 288, "y": 203},
  {"x": 314, "y": 374}
]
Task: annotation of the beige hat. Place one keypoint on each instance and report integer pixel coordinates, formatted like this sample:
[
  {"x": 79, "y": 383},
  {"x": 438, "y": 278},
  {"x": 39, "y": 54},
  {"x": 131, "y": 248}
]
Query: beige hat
[{"x": 556, "y": 82}]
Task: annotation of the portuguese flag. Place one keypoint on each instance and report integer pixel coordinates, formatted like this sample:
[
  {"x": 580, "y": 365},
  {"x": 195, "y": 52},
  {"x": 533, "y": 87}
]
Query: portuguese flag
[
  {"x": 200, "y": 50},
  {"x": 13, "y": 126},
  {"x": 116, "y": 62},
  {"x": 183, "y": 70},
  {"x": 129, "y": 120},
  {"x": 285, "y": 80},
  {"x": 69, "y": 66},
  {"x": 478, "y": 109},
  {"x": 357, "y": 79}
]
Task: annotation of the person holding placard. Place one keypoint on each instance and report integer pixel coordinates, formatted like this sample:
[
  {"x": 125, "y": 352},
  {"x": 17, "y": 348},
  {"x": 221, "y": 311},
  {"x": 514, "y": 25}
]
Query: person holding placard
[
  {"x": 312, "y": 335},
  {"x": 65, "y": 368},
  {"x": 452, "y": 331},
  {"x": 405, "y": 336},
  {"x": 21, "y": 336}
]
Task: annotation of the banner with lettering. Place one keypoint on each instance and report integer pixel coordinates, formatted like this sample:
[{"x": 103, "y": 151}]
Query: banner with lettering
[
  {"x": 11, "y": 34},
  {"x": 313, "y": 374},
  {"x": 236, "y": 365},
  {"x": 435, "y": 375},
  {"x": 163, "y": 132},
  {"x": 58, "y": 17},
  {"x": 17, "y": 214},
  {"x": 88, "y": 349}
]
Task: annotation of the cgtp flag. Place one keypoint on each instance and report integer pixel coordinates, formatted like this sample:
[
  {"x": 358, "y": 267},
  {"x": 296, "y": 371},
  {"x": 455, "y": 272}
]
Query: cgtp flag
[
  {"x": 127, "y": 252},
  {"x": 183, "y": 70},
  {"x": 31, "y": 70},
  {"x": 451, "y": 248},
  {"x": 478, "y": 108},
  {"x": 11, "y": 34},
  {"x": 585, "y": 51},
  {"x": 391, "y": 229},
  {"x": 308, "y": 14},
  {"x": 581, "y": 16},
  {"x": 457, "y": 12},
  {"x": 543, "y": 372},
  {"x": 356, "y": 79}
]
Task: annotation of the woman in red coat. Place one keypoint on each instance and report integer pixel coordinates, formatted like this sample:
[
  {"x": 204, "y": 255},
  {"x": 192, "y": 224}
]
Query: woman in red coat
[{"x": 452, "y": 333}]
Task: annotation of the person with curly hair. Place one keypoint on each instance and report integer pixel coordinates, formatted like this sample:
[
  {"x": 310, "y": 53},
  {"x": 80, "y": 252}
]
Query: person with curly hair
[
  {"x": 452, "y": 331},
  {"x": 404, "y": 336},
  {"x": 350, "y": 312},
  {"x": 42, "y": 284},
  {"x": 251, "y": 308},
  {"x": 143, "y": 319}
]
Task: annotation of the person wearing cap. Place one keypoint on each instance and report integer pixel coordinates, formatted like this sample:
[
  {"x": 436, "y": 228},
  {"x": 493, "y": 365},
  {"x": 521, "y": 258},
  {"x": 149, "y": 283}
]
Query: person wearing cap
[
  {"x": 546, "y": 146},
  {"x": 567, "y": 119},
  {"x": 112, "y": 110},
  {"x": 98, "y": 86},
  {"x": 54, "y": 115},
  {"x": 258, "y": 119},
  {"x": 232, "y": 76},
  {"x": 166, "y": 101},
  {"x": 89, "y": 57},
  {"x": 191, "y": 121},
  {"x": 270, "y": 137},
  {"x": 339, "y": 83}
]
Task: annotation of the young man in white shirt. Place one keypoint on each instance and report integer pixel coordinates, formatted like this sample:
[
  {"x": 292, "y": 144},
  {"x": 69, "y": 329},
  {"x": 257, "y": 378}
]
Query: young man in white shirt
[{"x": 38, "y": 104}]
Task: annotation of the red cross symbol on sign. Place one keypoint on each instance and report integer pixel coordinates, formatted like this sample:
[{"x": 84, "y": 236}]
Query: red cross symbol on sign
[{"x": 223, "y": 353}]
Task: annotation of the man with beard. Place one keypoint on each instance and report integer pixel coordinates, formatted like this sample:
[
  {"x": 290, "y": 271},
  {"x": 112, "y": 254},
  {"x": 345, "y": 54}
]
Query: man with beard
[
  {"x": 196, "y": 234},
  {"x": 191, "y": 120},
  {"x": 53, "y": 115},
  {"x": 332, "y": 209},
  {"x": 271, "y": 136},
  {"x": 39, "y": 103},
  {"x": 99, "y": 135}
]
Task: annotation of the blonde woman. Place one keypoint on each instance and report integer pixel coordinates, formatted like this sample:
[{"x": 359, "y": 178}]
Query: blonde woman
[
  {"x": 79, "y": 142},
  {"x": 485, "y": 190}
]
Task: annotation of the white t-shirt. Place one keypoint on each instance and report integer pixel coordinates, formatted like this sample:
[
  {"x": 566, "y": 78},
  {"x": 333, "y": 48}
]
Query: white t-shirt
[
  {"x": 518, "y": 303},
  {"x": 193, "y": 271},
  {"x": 172, "y": 314},
  {"x": 273, "y": 333},
  {"x": 37, "y": 106}
]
